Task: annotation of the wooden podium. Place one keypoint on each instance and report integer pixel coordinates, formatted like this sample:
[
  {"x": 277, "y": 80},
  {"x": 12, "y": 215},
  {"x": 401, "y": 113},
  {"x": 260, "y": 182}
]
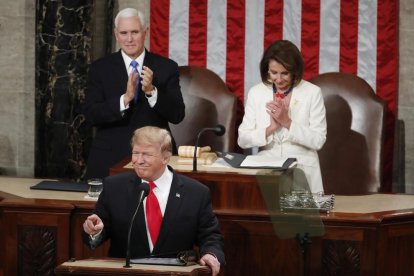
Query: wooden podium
[
  {"x": 111, "y": 267},
  {"x": 363, "y": 235}
]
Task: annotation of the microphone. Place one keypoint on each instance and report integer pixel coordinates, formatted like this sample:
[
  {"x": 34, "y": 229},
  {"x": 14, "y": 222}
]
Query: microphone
[
  {"x": 144, "y": 192},
  {"x": 219, "y": 130}
]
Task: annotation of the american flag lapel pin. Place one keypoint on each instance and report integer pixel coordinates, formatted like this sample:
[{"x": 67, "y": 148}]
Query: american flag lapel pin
[{"x": 177, "y": 195}]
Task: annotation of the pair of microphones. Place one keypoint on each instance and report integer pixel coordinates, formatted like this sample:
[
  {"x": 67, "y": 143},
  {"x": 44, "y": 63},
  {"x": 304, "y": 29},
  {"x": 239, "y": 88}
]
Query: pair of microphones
[{"x": 219, "y": 130}]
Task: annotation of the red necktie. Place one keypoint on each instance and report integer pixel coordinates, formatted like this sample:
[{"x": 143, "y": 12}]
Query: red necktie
[{"x": 153, "y": 213}]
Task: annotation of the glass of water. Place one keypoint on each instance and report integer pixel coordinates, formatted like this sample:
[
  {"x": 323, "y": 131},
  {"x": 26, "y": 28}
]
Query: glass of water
[{"x": 95, "y": 187}]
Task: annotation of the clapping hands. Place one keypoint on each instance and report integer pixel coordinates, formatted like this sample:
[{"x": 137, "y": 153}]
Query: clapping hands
[{"x": 278, "y": 109}]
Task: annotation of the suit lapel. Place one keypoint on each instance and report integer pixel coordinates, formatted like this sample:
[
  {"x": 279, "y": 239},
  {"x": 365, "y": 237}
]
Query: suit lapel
[
  {"x": 149, "y": 62},
  {"x": 175, "y": 199},
  {"x": 119, "y": 68}
]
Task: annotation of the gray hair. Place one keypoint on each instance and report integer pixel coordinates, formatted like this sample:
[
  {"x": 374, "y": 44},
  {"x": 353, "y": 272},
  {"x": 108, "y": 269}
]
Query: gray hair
[{"x": 131, "y": 12}]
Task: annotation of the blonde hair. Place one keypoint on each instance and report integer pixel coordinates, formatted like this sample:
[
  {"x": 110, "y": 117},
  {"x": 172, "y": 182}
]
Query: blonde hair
[{"x": 149, "y": 135}]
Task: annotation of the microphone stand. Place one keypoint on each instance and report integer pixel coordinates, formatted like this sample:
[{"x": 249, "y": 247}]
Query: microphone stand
[
  {"x": 304, "y": 242},
  {"x": 144, "y": 192},
  {"x": 219, "y": 130}
]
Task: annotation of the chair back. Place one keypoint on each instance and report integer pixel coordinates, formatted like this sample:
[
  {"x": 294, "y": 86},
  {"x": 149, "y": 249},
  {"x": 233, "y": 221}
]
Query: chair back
[
  {"x": 208, "y": 102},
  {"x": 351, "y": 159}
]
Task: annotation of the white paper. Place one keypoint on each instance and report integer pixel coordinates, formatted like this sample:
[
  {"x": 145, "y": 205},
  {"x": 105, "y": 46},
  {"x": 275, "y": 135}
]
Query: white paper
[
  {"x": 263, "y": 161},
  {"x": 220, "y": 163}
]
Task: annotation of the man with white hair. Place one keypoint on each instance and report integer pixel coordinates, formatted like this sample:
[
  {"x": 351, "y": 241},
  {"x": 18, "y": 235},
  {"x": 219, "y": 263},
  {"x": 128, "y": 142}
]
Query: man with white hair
[{"x": 129, "y": 89}]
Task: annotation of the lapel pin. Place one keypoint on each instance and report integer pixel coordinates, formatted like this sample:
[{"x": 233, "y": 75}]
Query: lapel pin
[{"x": 177, "y": 195}]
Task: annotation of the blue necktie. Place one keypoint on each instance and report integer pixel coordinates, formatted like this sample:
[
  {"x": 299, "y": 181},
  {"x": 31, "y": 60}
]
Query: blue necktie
[{"x": 134, "y": 64}]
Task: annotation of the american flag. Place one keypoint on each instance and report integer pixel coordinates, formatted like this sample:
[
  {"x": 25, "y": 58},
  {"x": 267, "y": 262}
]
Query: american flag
[{"x": 229, "y": 37}]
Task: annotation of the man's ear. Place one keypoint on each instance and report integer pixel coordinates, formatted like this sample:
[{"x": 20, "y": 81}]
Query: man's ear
[
  {"x": 166, "y": 157},
  {"x": 115, "y": 34}
]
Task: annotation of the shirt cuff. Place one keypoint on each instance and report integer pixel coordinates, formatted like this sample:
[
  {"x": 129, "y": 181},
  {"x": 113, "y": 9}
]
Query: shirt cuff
[
  {"x": 152, "y": 100},
  {"x": 93, "y": 237},
  {"x": 122, "y": 105}
]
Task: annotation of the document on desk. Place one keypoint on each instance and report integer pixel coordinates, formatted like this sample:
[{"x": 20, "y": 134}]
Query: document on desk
[
  {"x": 162, "y": 261},
  {"x": 255, "y": 161},
  {"x": 238, "y": 160}
]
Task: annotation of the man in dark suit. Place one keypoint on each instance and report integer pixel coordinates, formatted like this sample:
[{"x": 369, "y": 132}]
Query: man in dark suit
[
  {"x": 120, "y": 100},
  {"x": 187, "y": 218}
]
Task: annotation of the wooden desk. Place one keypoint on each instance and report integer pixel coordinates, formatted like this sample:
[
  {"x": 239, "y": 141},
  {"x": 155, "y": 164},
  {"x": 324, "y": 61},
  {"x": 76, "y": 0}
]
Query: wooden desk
[
  {"x": 365, "y": 235},
  {"x": 115, "y": 267}
]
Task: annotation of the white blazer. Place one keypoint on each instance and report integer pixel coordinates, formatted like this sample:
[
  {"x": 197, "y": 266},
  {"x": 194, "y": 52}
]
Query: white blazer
[{"x": 306, "y": 135}]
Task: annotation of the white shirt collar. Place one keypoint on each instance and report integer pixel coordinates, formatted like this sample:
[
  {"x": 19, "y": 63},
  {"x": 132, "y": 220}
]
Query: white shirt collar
[
  {"x": 139, "y": 59},
  {"x": 164, "y": 181}
]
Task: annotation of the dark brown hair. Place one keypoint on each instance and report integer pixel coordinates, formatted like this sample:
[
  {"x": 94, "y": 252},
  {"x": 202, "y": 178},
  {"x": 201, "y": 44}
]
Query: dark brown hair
[{"x": 285, "y": 53}]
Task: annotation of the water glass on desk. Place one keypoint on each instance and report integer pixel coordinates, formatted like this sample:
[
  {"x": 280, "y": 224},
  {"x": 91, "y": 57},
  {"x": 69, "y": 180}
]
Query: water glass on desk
[{"x": 95, "y": 187}]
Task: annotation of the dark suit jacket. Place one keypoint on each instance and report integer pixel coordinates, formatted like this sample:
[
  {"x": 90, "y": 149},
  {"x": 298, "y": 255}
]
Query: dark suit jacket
[
  {"x": 188, "y": 220},
  {"x": 107, "y": 82}
]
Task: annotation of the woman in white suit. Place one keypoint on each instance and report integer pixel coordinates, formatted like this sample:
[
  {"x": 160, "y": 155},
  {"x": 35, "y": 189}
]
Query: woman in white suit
[{"x": 284, "y": 114}]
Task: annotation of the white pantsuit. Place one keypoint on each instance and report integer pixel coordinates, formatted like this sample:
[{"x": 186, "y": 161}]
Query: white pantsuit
[{"x": 306, "y": 135}]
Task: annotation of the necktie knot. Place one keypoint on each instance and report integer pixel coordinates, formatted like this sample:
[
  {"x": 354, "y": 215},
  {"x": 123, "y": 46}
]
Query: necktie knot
[
  {"x": 152, "y": 185},
  {"x": 134, "y": 64}
]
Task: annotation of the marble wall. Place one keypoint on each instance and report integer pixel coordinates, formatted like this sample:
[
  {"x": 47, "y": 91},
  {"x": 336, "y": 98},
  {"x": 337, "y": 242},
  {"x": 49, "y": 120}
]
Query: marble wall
[
  {"x": 17, "y": 80},
  {"x": 63, "y": 51},
  {"x": 17, "y": 87}
]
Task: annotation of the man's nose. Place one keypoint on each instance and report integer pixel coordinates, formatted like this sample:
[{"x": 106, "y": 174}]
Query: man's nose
[{"x": 138, "y": 158}]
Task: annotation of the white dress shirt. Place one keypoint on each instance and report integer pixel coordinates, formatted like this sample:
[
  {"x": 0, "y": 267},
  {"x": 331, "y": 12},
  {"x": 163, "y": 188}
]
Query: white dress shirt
[
  {"x": 161, "y": 191},
  {"x": 152, "y": 100}
]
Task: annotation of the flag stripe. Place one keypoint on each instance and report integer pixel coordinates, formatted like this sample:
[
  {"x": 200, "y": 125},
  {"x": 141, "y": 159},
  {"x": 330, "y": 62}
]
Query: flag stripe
[
  {"x": 348, "y": 36},
  {"x": 367, "y": 41},
  {"x": 310, "y": 37},
  {"x": 329, "y": 33},
  {"x": 387, "y": 75},
  {"x": 159, "y": 26},
  {"x": 254, "y": 43},
  {"x": 179, "y": 30},
  {"x": 273, "y": 21},
  {"x": 216, "y": 37},
  {"x": 198, "y": 33},
  {"x": 235, "y": 47},
  {"x": 292, "y": 12},
  {"x": 229, "y": 36}
]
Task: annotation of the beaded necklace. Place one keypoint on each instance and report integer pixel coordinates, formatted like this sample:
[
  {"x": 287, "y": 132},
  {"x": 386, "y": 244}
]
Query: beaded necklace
[{"x": 281, "y": 95}]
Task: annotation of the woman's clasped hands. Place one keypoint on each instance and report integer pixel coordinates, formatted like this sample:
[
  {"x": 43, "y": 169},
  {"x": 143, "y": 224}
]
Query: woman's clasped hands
[{"x": 278, "y": 109}]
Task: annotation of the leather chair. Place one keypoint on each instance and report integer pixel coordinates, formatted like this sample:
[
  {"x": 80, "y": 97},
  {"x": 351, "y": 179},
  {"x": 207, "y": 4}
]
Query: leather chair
[
  {"x": 351, "y": 159},
  {"x": 208, "y": 102}
]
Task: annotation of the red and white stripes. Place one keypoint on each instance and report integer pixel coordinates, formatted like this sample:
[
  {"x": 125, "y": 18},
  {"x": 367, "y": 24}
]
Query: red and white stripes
[{"x": 229, "y": 36}]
